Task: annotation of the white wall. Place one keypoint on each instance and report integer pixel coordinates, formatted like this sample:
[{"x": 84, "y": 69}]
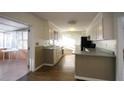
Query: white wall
[
  {"x": 120, "y": 65},
  {"x": 120, "y": 40},
  {"x": 38, "y": 29}
]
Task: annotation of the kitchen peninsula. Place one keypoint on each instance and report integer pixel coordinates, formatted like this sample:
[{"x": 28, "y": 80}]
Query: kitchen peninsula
[{"x": 95, "y": 64}]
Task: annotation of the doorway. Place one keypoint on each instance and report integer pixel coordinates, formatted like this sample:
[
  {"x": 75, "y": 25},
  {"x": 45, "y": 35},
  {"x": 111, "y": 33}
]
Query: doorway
[{"x": 13, "y": 50}]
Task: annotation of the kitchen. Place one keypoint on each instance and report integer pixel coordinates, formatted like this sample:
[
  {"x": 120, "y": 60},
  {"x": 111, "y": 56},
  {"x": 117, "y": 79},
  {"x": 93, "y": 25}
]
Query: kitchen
[
  {"x": 98, "y": 62},
  {"x": 57, "y": 36}
]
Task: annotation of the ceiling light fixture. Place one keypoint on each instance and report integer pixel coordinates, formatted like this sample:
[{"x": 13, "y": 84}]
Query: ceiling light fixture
[
  {"x": 72, "y": 29},
  {"x": 72, "y": 25},
  {"x": 72, "y": 22}
]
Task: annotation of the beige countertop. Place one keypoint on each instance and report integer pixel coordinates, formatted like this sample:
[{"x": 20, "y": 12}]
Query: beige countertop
[{"x": 95, "y": 52}]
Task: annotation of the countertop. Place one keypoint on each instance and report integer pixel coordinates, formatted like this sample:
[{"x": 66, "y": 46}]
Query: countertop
[
  {"x": 52, "y": 47},
  {"x": 95, "y": 52}
]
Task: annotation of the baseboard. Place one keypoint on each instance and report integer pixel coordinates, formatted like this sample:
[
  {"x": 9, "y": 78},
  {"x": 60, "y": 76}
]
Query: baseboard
[
  {"x": 48, "y": 64},
  {"x": 87, "y": 78},
  {"x": 38, "y": 67},
  {"x": 42, "y": 66}
]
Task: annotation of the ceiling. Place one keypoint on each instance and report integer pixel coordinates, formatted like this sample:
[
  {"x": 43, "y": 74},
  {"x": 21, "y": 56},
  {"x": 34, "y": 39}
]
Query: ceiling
[
  {"x": 61, "y": 19},
  {"x": 9, "y": 25}
]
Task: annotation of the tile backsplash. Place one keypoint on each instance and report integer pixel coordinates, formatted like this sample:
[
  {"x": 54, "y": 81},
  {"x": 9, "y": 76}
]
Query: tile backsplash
[{"x": 107, "y": 44}]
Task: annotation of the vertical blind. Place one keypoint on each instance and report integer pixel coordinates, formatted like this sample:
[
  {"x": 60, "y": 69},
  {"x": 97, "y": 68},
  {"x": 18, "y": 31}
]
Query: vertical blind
[{"x": 14, "y": 39}]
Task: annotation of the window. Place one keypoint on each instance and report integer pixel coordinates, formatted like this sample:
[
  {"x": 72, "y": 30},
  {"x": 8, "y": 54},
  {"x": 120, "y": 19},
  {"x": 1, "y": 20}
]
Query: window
[
  {"x": 25, "y": 40},
  {"x": 16, "y": 39},
  {"x": 10, "y": 40},
  {"x": 22, "y": 40},
  {"x": 1, "y": 40}
]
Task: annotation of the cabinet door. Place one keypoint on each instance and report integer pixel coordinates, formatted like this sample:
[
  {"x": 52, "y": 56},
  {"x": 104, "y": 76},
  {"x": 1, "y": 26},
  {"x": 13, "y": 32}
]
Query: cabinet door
[
  {"x": 38, "y": 56},
  {"x": 55, "y": 56},
  {"x": 96, "y": 28},
  {"x": 108, "y": 26},
  {"x": 100, "y": 28},
  {"x": 94, "y": 32},
  {"x": 90, "y": 33},
  {"x": 48, "y": 56}
]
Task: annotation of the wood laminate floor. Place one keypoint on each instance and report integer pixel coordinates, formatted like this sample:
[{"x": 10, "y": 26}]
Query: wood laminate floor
[
  {"x": 63, "y": 71},
  {"x": 12, "y": 70}
]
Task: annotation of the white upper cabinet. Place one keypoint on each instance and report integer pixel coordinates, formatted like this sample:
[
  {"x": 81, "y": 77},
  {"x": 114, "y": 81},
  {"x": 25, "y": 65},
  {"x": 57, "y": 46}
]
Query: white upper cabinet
[
  {"x": 101, "y": 28},
  {"x": 108, "y": 26}
]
